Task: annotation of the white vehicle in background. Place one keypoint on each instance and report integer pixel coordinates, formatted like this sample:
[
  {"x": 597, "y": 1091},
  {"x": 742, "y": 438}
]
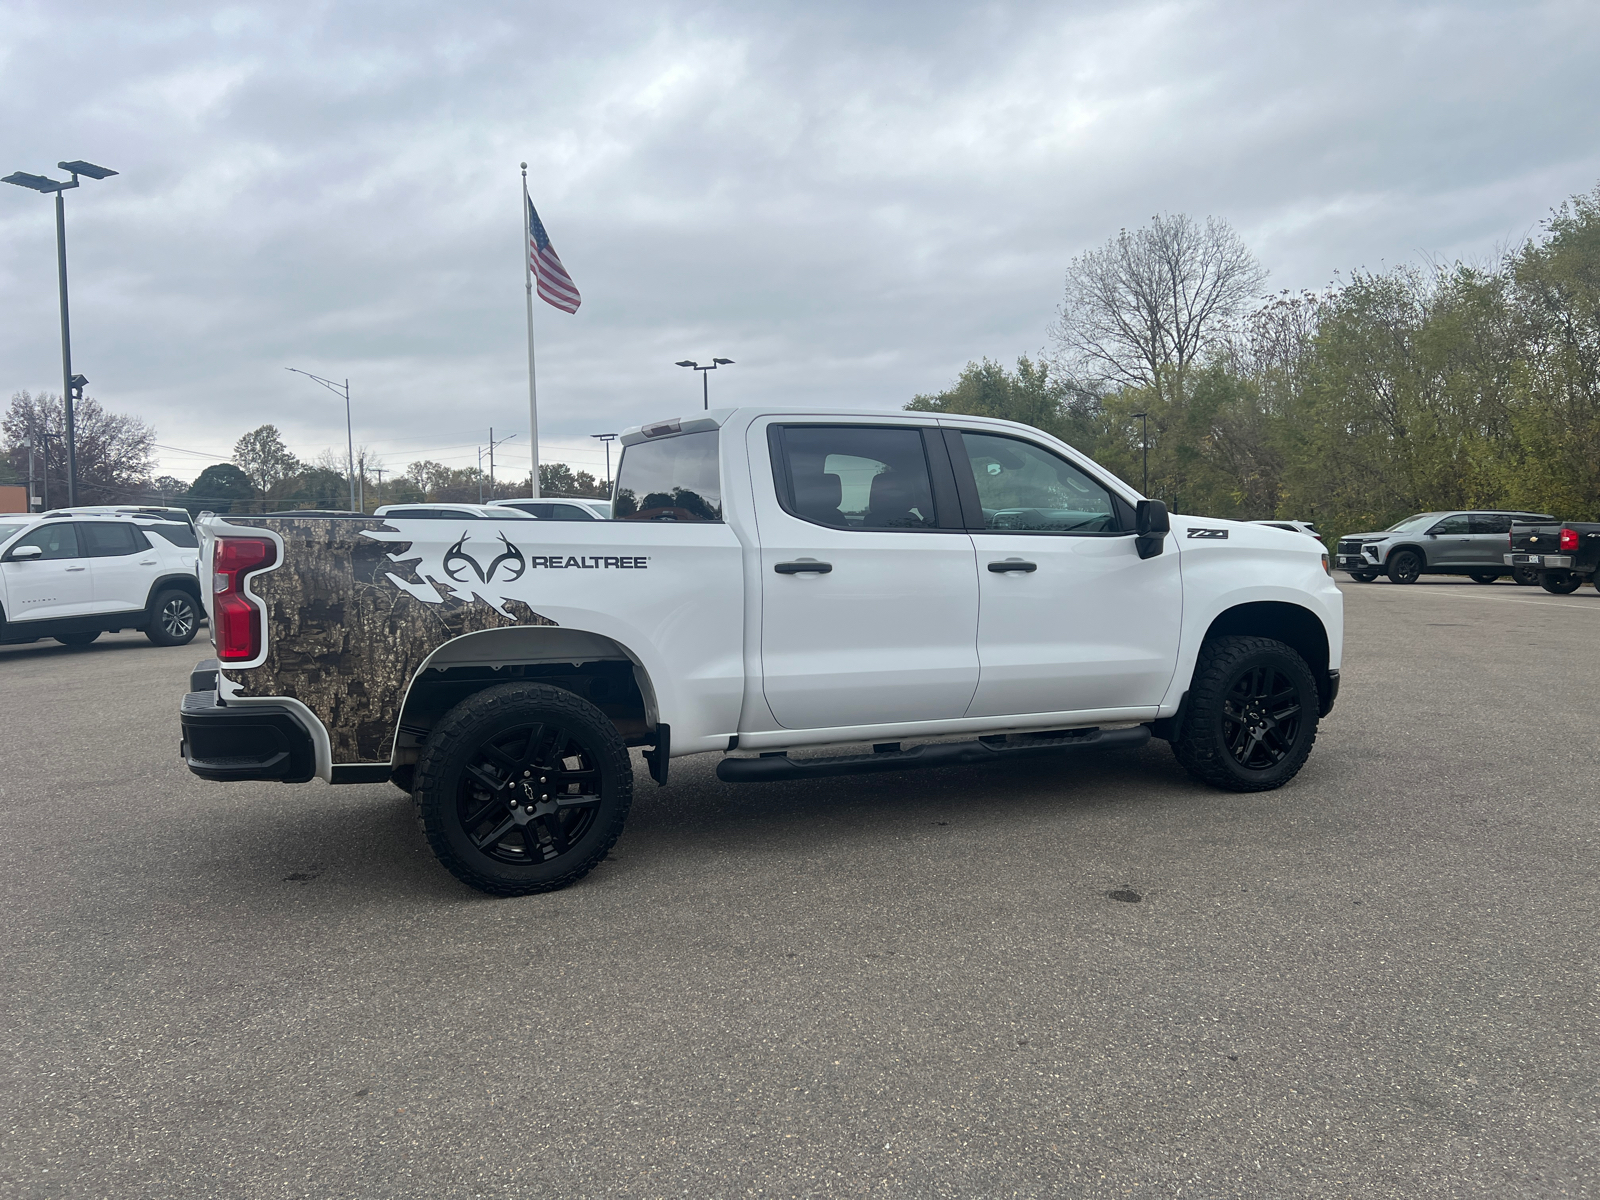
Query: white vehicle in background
[
  {"x": 560, "y": 508},
  {"x": 442, "y": 512},
  {"x": 773, "y": 583},
  {"x": 179, "y": 515},
  {"x": 74, "y": 577}
]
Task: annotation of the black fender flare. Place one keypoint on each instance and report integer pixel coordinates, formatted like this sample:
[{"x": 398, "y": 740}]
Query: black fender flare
[{"x": 186, "y": 583}]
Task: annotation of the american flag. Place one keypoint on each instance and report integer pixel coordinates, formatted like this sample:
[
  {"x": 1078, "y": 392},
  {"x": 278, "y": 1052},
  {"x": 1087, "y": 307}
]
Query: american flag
[{"x": 555, "y": 285}]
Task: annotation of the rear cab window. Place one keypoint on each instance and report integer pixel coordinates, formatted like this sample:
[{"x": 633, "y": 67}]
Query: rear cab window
[{"x": 675, "y": 478}]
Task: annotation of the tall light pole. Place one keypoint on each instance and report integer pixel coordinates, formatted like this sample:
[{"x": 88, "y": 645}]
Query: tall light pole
[
  {"x": 350, "y": 440},
  {"x": 606, "y": 439},
  {"x": 45, "y": 185},
  {"x": 1144, "y": 440},
  {"x": 705, "y": 390}
]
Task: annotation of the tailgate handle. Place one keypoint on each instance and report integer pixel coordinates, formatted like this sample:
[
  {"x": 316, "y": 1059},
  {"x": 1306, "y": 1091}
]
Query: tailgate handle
[
  {"x": 1012, "y": 564},
  {"x": 802, "y": 567}
]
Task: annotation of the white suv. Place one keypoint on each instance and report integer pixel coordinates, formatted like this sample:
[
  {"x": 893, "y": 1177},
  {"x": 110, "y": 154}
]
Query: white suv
[{"x": 75, "y": 577}]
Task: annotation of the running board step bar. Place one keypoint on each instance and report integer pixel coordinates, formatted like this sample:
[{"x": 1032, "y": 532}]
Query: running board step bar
[{"x": 772, "y": 767}]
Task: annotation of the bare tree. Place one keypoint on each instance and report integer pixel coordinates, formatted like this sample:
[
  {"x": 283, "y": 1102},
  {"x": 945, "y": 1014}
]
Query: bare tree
[{"x": 1140, "y": 310}]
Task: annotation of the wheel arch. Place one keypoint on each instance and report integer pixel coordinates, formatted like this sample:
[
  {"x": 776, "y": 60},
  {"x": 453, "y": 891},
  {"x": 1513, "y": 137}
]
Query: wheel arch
[
  {"x": 1291, "y": 624},
  {"x": 1393, "y": 550},
  {"x": 180, "y": 580},
  {"x": 598, "y": 668}
]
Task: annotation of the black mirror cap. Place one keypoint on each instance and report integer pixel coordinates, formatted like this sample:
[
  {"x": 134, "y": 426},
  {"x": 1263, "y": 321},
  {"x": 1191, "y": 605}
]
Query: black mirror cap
[
  {"x": 1152, "y": 518},
  {"x": 1152, "y": 525}
]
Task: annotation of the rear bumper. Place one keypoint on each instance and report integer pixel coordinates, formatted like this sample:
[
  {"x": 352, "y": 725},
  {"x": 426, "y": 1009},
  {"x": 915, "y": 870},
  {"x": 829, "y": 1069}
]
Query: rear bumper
[
  {"x": 1547, "y": 561},
  {"x": 244, "y": 741}
]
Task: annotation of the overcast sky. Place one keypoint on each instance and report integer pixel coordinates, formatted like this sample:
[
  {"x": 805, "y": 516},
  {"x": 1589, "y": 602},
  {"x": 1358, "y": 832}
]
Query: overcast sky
[{"x": 851, "y": 200}]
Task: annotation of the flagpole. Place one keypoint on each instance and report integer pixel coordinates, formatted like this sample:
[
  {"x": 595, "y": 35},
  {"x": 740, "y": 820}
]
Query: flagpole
[{"x": 533, "y": 386}]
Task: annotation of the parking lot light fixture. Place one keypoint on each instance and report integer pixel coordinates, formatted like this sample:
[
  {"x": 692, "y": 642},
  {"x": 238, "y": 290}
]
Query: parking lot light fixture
[
  {"x": 44, "y": 185},
  {"x": 705, "y": 391},
  {"x": 606, "y": 439},
  {"x": 340, "y": 389}
]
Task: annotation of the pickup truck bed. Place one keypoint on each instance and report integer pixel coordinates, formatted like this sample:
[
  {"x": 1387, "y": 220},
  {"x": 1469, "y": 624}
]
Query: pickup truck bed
[{"x": 1564, "y": 553}]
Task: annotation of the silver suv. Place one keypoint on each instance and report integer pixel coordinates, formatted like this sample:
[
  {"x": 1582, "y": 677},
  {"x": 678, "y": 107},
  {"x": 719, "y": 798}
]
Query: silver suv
[{"x": 1470, "y": 542}]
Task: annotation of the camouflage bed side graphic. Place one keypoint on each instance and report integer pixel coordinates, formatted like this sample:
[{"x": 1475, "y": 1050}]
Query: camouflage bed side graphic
[{"x": 351, "y": 615}]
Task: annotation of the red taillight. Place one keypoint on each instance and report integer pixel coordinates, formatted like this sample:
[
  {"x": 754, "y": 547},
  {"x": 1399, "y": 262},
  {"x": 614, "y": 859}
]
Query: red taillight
[
  {"x": 236, "y": 621},
  {"x": 1569, "y": 539}
]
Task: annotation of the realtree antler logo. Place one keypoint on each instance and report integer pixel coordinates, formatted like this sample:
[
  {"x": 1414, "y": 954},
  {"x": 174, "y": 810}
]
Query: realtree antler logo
[{"x": 456, "y": 555}]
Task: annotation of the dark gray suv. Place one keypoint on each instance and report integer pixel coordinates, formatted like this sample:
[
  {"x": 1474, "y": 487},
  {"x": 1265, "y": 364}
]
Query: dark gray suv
[{"x": 1465, "y": 542}]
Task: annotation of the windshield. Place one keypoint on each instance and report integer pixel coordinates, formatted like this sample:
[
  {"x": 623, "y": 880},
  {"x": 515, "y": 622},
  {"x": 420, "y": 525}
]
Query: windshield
[
  {"x": 1415, "y": 522},
  {"x": 7, "y": 531}
]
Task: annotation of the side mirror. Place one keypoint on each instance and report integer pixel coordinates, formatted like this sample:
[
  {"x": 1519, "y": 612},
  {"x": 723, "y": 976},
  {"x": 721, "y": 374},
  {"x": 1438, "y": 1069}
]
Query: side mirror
[
  {"x": 1152, "y": 525},
  {"x": 26, "y": 552}
]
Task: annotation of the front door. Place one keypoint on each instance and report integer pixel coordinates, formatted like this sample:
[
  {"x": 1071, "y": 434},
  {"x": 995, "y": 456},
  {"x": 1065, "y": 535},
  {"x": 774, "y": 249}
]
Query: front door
[
  {"x": 56, "y": 584},
  {"x": 869, "y": 606},
  {"x": 1072, "y": 619},
  {"x": 1449, "y": 543}
]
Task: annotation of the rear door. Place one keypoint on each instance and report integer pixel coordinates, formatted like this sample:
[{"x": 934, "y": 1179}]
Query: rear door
[
  {"x": 122, "y": 563},
  {"x": 1490, "y": 538},
  {"x": 869, "y": 585},
  {"x": 57, "y": 584},
  {"x": 1072, "y": 619}
]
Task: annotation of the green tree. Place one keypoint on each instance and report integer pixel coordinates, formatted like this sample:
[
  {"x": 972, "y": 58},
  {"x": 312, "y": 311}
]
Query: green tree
[
  {"x": 218, "y": 489},
  {"x": 1031, "y": 394},
  {"x": 263, "y": 457}
]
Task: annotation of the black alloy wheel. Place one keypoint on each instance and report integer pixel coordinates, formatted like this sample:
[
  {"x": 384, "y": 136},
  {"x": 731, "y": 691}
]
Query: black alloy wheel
[
  {"x": 1405, "y": 566},
  {"x": 77, "y": 639},
  {"x": 523, "y": 788},
  {"x": 1560, "y": 583},
  {"x": 1485, "y": 577},
  {"x": 1252, "y": 715},
  {"x": 1524, "y": 576},
  {"x": 174, "y": 618},
  {"x": 1363, "y": 576}
]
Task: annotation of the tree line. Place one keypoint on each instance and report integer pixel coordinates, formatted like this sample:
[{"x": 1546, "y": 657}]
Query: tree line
[
  {"x": 117, "y": 454},
  {"x": 1392, "y": 392}
]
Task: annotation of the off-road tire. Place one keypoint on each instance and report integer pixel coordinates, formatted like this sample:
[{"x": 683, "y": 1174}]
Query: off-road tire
[
  {"x": 1405, "y": 566},
  {"x": 445, "y": 794},
  {"x": 1560, "y": 583},
  {"x": 1201, "y": 743},
  {"x": 1363, "y": 576},
  {"x": 1524, "y": 576},
  {"x": 1485, "y": 577},
  {"x": 78, "y": 639},
  {"x": 174, "y": 618}
]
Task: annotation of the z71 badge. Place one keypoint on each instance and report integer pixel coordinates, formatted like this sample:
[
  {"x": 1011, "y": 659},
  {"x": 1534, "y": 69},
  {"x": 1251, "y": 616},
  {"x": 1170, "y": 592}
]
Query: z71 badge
[{"x": 1219, "y": 534}]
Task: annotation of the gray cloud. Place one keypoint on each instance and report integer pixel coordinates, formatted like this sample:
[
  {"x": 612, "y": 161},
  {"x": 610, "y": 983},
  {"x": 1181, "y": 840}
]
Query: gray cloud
[{"x": 852, "y": 201}]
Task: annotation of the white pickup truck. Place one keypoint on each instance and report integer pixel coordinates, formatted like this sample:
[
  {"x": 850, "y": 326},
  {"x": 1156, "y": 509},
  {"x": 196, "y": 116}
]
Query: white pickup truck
[{"x": 807, "y": 593}]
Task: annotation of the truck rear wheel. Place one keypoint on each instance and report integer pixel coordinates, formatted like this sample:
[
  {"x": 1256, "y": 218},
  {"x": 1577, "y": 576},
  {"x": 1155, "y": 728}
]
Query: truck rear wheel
[
  {"x": 522, "y": 788},
  {"x": 1562, "y": 583},
  {"x": 1251, "y": 717}
]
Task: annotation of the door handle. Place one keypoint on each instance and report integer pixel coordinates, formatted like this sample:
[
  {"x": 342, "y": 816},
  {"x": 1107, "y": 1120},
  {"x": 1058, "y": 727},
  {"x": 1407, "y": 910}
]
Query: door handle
[
  {"x": 803, "y": 567},
  {"x": 147, "y": 562},
  {"x": 77, "y": 568},
  {"x": 1013, "y": 564}
]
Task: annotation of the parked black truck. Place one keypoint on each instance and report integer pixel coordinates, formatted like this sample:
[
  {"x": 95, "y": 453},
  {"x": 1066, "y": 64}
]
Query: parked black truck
[{"x": 1564, "y": 553}]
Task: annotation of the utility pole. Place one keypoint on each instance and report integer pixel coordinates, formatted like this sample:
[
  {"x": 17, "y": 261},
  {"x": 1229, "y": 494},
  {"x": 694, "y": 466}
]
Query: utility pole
[
  {"x": 492, "y": 445},
  {"x": 349, "y": 436},
  {"x": 1144, "y": 439},
  {"x": 606, "y": 439}
]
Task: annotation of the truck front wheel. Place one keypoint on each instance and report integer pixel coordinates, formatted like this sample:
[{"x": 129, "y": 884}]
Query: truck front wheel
[
  {"x": 1251, "y": 716},
  {"x": 522, "y": 788}
]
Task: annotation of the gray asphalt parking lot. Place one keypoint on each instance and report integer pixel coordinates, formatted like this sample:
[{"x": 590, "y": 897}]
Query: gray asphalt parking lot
[{"x": 1379, "y": 981}]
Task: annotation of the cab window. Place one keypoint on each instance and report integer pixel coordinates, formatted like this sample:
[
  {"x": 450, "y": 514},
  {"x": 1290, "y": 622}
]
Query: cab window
[
  {"x": 57, "y": 541},
  {"x": 670, "y": 479},
  {"x": 1026, "y": 488},
  {"x": 855, "y": 476}
]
